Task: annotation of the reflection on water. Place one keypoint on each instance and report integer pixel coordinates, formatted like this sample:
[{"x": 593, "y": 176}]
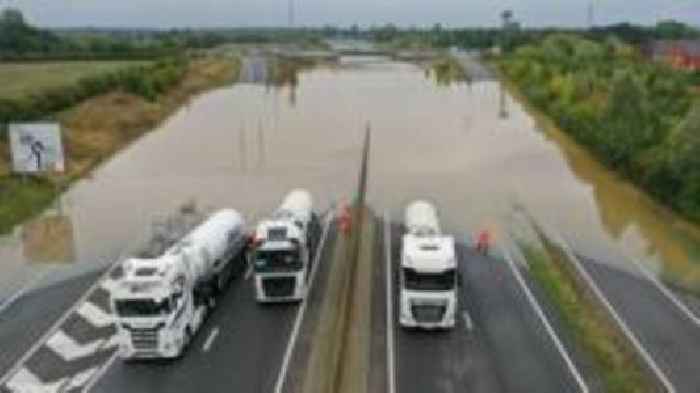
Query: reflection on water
[
  {"x": 246, "y": 145},
  {"x": 48, "y": 239}
]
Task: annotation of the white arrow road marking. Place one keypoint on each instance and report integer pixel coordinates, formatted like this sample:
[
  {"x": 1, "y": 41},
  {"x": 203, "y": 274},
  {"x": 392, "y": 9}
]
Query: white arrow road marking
[
  {"x": 108, "y": 284},
  {"x": 95, "y": 315},
  {"x": 24, "y": 381},
  {"x": 69, "y": 349}
]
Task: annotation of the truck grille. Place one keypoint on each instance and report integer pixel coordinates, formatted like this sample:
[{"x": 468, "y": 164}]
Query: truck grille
[
  {"x": 279, "y": 286},
  {"x": 428, "y": 313},
  {"x": 144, "y": 339}
]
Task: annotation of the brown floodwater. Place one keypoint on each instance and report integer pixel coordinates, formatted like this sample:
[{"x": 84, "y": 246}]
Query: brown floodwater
[{"x": 469, "y": 147}]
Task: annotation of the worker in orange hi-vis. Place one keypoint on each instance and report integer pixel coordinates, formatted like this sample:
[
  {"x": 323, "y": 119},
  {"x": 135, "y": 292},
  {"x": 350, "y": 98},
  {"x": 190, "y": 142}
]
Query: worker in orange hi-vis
[
  {"x": 483, "y": 241},
  {"x": 345, "y": 219}
]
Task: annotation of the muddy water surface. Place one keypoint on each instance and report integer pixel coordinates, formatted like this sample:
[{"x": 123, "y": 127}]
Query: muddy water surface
[{"x": 470, "y": 148}]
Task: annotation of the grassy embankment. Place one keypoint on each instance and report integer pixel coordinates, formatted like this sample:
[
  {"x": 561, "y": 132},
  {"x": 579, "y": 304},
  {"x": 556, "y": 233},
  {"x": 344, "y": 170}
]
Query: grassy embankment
[
  {"x": 447, "y": 69},
  {"x": 97, "y": 127},
  {"x": 593, "y": 331}
]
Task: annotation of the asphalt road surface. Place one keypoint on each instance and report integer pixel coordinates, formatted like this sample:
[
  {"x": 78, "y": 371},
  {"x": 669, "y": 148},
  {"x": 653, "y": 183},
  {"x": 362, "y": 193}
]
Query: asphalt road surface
[
  {"x": 662, "y": 328},
  {"x": 498, "y": 345}
]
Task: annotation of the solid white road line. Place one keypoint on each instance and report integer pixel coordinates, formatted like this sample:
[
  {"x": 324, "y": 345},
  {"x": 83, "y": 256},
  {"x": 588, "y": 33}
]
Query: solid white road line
[
  {"x": 80, "y": 379},
  {"x": 249, "y": 272},
  {"x": 69, "y": 349},
  {"x": 390, "y": 354},
  {"x": 543, "y": 318},
  {"x": 101, "y": 372},
  {"x": 210, "y": 340},
  {"x": 18, "y": 364},
  {"x": 24, "y": 381},
  {"x": 22, "y": 291},
  {"x": 623, "y": 326},
  {"x": 291, "y": 343},
  {"x": 95, "y": 315},
  {"x": 669, "y": 295}
]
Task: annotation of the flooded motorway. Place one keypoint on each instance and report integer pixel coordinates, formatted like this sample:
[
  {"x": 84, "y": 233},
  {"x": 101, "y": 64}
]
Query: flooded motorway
[{"x": 469, "y": 147}]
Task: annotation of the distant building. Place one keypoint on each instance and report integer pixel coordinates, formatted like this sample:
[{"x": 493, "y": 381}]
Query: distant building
[{"x": 681, "y": 54}]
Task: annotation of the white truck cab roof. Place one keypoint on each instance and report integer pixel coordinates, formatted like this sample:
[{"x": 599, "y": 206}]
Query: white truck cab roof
[
  {"x": 428, "y": 254},
  {"x": 145, "y": 277}
]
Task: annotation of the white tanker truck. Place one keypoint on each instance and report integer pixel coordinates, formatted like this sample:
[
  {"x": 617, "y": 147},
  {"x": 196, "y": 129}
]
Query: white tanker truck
[
  {"x": 428, "y": 277},
  {"x": 161, "y": 303},
  {"x": 284, "y": 248}
]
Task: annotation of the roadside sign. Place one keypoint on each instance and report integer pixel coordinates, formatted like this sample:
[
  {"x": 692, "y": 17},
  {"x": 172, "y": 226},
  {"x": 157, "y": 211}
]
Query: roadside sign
[{"x": 36, "y": 147}]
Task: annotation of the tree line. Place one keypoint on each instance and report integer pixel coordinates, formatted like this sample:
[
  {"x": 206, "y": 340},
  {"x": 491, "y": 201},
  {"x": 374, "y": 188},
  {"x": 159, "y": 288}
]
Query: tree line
[{"x": 639, "y": 117}]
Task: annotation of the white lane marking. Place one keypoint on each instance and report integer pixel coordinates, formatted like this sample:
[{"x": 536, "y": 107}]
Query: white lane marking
[
  {"x": 18, "y": 364},
  {"x": 24, "y": 381},
  {"x": 95, "y": 315},
  {"x": 468, "y": 324},
  {"x": 282, "y": 375},
  {"x": 390, "y": 354},
  {"x": 543, "y": 318},
  {"x": 249, "y": 272},
  {"x": 23, "y": 291},
  {"x": 620, "y": 322},
  {"x": 669, "y": 295},
  {"x": 69, "y": 349},
  {"x": 210, "y": 340},
  {"x": 80, "y": 379},
  {"x": 90, "y": 385}
]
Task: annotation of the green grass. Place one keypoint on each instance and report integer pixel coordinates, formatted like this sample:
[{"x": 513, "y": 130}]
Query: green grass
[
  {"x": 21, "y": 79},
  {"x": 21, "y": 199},
  {"x": 590, "y": 327}
]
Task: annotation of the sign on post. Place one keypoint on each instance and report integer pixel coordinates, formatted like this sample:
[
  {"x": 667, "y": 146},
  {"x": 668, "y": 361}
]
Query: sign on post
[{"x": 36, "y": 147}]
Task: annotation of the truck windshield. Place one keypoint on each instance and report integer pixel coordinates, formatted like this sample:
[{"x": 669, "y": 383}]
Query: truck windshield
[
  {"x": 415, "y": 281},
  {"x": 277, "y": 261},
  {"x": 141, "y": 307}
]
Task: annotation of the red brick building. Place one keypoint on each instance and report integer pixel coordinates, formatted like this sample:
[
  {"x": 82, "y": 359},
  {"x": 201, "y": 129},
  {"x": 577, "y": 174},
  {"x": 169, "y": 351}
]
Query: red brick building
[{"x": 682, "y": 54}]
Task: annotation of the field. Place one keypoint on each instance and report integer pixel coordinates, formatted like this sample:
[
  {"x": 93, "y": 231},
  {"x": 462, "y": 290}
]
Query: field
[{"x": 21, "y": 79}]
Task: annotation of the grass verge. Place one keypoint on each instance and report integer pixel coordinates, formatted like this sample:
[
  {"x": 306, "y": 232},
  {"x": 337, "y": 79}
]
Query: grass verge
[
  {"x": 96, "y": 129},
  {"x": 593, "y": 330}
]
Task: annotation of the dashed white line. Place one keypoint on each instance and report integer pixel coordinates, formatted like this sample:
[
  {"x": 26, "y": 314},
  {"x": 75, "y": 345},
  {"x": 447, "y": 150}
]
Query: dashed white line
[
  {"x": 210, "y": 340},
  {"x": 282, "y": 375},
  {"x": 390, "y": 368},
  {"x": 621, "y": 323},
  {"x": 543, "y": 318},
  {"x": 468, "y": 323}
]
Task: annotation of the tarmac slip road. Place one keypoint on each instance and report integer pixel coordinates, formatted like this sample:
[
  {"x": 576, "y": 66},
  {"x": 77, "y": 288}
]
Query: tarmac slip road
[
  {"x": 498, "y": 345},
  {"x": 664, "y": 330},
  {"x": 239, "y": 349}
]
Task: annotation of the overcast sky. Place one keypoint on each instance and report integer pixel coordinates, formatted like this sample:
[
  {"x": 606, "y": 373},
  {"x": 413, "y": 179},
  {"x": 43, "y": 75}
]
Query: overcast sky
[{"x": 454, "y": 13}]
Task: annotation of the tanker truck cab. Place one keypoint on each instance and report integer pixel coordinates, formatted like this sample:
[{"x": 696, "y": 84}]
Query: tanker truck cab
[
  {"x": 161, "y": 303},
  {"x": 157, "y": 313},
  {"x": 428, "y": 275},
  {"x": 284, "y": 246}
]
